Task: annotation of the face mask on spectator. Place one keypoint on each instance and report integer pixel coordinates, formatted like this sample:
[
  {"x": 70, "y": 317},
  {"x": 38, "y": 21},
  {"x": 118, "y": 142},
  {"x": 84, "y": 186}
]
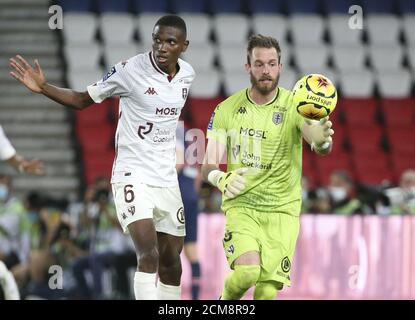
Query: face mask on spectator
[
  {"x": 4, "y": 192},
  {"x": 338, "y": 193},
  {"x": 33, "y": 216}
]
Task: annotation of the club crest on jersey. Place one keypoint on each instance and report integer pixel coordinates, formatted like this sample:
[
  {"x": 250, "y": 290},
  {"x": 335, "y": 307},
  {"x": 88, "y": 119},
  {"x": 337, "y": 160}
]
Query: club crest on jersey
[
  {"x": 184, "y": 93},
  {"x": 277, "y": 117},
  {"x": 109, "y": 73}
]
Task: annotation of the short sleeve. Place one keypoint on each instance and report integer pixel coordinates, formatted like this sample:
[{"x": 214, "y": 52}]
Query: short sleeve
[
  {"x": 6, "y": 149},
  {"x": 114, "y": 83},
  {"x": 217, "y": 127}
]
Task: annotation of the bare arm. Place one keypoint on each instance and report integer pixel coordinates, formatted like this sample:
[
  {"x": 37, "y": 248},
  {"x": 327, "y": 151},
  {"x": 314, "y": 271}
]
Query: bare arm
[
  {"x": 27, "y": 166},
  {"x": 35, "y": 81}
]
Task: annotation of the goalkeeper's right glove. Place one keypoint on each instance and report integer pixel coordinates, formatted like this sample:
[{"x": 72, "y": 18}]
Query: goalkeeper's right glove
[
  {"x": 231, "y": 183},
  {"x": 321, "y": 133}
]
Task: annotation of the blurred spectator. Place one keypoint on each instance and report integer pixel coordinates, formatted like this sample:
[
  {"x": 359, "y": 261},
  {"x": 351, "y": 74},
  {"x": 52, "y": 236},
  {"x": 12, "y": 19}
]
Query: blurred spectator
[
  {"x": 8, "y": 286},
  {"x": 343, "y": 194},
  {"x": 14, "y": 240},
  {"x": 102, "y": 238},
  {"x": 320, "y": 201},
  {"x": 210, "y": 198},
  {"x": 402, "y": 198},
  {"x": 9, "y": 155},
  {"x": 44, "y": 228}
]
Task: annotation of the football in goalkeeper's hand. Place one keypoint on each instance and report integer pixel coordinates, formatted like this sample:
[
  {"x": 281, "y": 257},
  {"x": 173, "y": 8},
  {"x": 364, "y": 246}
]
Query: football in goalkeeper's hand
[{"x": 314, "y": 96}]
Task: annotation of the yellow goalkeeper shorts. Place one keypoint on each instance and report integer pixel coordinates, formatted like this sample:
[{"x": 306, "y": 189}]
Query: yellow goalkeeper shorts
[{"x": 273, "y": 235}]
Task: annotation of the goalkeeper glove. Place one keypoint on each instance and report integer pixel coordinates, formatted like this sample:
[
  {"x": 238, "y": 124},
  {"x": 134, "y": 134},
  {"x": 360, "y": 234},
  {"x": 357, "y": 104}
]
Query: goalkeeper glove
[
  {"x": 320, "y": 133},
  {"x": 231, "y": 183}
]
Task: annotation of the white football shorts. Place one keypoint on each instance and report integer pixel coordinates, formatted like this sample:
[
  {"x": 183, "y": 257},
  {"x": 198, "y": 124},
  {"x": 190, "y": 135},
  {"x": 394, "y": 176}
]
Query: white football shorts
[{"x": 137, "y": 201}]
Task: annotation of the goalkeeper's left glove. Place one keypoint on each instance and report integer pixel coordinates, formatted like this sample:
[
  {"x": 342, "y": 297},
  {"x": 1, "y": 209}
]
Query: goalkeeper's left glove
[
  {"x": 231, "y": 183},
  {"x": 320, "y": 134}
]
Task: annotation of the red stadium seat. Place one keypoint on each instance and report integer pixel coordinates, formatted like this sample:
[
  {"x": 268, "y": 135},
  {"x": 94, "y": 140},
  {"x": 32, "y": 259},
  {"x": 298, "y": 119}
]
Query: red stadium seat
[
  {"x": 399, "y": 112},
  {"x": 371, "y": 170},
  {"x": 96, "y": 114},
  {"x": 359, "y": 112},
  {"x": 309, "y": 170},
  {"x": 400, "y": 163},
  {"x": 338, "y": 138},
  {"x": 201, "y": 111},
  {"x": 97, "y": 164},
  {"x": 401, "y": 140},
  {"x": 365, "y": 140},
  {"x": 98, "y": 137},
  {"x": 327, "y": 164}
]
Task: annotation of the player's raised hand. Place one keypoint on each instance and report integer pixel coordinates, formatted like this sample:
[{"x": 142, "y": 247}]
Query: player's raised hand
[
  {"x": 320, "y": 132},
  {"x": 32, "y": 78},
  {"x": 34, "y": 167}
]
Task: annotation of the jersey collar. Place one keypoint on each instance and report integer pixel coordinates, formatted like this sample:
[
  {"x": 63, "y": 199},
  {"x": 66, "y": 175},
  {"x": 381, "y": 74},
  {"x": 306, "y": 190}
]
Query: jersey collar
[
  {"x": 155, "y": 66},
  {"x": 266, "y": 104}
]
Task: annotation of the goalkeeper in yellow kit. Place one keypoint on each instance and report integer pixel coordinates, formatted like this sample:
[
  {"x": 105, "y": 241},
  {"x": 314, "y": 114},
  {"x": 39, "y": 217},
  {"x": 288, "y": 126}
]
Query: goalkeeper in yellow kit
[{"x": 260, "y": 132}]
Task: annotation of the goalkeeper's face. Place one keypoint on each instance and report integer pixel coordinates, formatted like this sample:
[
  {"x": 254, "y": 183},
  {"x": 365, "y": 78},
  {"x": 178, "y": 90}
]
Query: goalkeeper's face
[{"x": 264, "y": 69}]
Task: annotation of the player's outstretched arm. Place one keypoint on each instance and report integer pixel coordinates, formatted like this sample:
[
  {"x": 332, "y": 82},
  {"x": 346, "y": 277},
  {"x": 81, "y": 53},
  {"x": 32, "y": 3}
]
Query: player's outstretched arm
[
  {"x": 34, "y": 79},
  {"x": 23, "y": 165},
  {"x": 231, "y": 183},
  {"x": 318, "y": 135},
  {"x": 215, "y": 153}
]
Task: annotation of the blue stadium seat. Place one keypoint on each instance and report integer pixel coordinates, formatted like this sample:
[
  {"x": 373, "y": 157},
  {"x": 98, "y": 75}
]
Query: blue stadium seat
[
  {"x": 150, "y": 6},
  {"x": 379, "y": 6},
  {"x": 113, "y": 6},
  {"x": 406, "y": 6},
  {"x": 198, "y": 6},
  {"x": 265, "y": 6},
  {"x": 221, "y": 6},
  {"x": 302, "y": 6},
  {"x": 338, "y": 6},
  {"x": 75, "y": 5}
]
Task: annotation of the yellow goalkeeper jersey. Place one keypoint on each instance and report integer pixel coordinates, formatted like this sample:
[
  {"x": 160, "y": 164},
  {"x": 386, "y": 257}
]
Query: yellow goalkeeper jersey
[{"x": 267, "y": 140}]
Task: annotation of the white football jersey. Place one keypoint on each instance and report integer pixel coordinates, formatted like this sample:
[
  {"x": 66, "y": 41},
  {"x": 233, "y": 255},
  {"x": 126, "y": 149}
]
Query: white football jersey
[
  {"x": 6, "y": 149},
  {"x": 150, "y": 106}
]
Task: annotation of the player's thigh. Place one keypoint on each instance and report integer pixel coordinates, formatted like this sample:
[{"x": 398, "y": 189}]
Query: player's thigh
[
  {"x": 278, "y": 243},
  {"x": 143, "y": 233},
  {"x": 241, "y": 237},
  {"x": 133, "y": 202},
  {"x": 169, "y": 215},
  {"x": 169, "y": 247}
]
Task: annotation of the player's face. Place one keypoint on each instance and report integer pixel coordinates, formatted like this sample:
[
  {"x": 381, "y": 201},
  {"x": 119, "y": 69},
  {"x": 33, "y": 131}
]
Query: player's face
[
  {"x": 168, "y": 44},
  {"x": 264, "y": 69}
]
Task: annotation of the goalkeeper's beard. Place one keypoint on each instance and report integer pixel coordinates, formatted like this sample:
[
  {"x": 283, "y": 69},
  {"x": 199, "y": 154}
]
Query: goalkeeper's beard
[{"x": 264, "y": 89}]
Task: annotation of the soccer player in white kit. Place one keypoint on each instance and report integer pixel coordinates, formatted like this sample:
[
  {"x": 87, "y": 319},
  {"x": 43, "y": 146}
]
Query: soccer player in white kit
[
  {"x": 153, "y": 88},
  {"x": 10, "y": 156}
]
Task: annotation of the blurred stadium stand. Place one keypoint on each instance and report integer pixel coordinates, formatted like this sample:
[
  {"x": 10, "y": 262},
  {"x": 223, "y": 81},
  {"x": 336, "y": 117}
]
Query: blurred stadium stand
[
  {"x": 37, "y": 127},
  {"x": 373, "y": 68}
]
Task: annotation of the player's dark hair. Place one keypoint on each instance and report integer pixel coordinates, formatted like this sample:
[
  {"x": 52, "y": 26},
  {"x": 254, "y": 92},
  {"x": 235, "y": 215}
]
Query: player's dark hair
[
  {"x": 260, "y": 41},
  {"x": 172, "y": 20}
]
